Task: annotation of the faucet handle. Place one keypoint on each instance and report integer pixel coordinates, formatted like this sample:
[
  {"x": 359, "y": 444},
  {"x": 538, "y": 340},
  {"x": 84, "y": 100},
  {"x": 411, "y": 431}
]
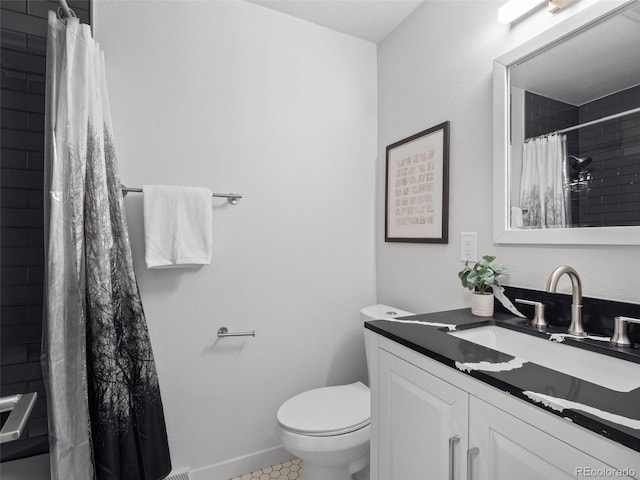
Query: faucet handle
[
  {"x": 538, "y": 320},
  {"x": 620, "y": 337}
]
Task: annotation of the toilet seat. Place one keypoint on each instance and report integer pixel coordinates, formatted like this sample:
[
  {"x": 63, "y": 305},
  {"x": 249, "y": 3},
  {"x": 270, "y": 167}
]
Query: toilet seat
[{"x": 327, "y": 411}]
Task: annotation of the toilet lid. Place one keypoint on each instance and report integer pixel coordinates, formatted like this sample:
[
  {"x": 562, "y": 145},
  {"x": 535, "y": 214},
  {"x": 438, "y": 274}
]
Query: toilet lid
[{"x": 327, "y": 411}]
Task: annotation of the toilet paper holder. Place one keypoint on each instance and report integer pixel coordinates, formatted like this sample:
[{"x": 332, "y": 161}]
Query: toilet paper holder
[{"x": 224, "y": 332}]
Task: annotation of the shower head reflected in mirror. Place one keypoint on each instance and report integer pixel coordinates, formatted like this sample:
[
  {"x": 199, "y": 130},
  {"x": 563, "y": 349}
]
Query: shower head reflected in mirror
[
  {"x": 578, "y": 164},
  {"x": 581, "y": 179}
]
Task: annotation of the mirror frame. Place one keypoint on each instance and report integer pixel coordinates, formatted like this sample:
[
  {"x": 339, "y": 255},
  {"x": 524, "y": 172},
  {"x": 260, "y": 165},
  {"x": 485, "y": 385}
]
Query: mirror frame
[{"x": 501, "y": 144}]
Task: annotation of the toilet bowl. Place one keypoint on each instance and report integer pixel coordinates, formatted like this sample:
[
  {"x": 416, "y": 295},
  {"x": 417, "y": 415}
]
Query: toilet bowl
[{"x": 329, "y": 428}]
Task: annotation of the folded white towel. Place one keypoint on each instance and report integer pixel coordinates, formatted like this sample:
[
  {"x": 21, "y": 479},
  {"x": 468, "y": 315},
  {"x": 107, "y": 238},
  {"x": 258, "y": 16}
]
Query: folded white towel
[
  {"x": 516, "y": 218},
  {"x": 177, "y": 226}
]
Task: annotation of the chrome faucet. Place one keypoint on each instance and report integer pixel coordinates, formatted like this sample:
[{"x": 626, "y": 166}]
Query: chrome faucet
[{"x": 576, "y": 296}]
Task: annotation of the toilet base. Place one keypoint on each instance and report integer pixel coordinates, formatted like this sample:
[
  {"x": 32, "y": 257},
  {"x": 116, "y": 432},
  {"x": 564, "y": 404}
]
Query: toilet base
[{"x": 330, "y": 458}]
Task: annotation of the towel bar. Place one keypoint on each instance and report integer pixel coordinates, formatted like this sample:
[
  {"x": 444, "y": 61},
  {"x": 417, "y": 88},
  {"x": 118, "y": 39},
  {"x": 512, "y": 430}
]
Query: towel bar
[
  {"x": 224, "y": 332},
  {"x": 232, "y": 198}
]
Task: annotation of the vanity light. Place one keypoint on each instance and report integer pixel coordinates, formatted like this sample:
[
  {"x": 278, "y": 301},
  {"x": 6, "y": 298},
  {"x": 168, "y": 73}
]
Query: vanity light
[
  {"x": 514, "y": 9},
  {"x": 555, "y": 5}
]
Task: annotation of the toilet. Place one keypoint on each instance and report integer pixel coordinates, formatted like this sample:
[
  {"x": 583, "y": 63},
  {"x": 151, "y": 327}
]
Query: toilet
[{"x": 329, "y": 428}]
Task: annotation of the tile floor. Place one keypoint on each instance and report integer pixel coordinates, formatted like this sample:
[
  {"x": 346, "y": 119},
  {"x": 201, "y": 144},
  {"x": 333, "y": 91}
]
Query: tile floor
[{"x": 290, "y": 470}]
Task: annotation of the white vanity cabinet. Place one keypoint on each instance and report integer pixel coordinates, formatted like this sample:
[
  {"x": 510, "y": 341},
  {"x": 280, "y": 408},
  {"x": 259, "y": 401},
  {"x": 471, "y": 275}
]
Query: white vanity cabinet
[
  {"x": 508, "y": 448},
  {"x": 417, "y": 412},
  {"x": 432, "y": 422}
]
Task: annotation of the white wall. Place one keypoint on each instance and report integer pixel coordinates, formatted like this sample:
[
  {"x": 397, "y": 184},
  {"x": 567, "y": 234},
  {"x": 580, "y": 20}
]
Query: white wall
[
  {"x": 437, "y": 66},
  {"x": 232, "y": 96}
]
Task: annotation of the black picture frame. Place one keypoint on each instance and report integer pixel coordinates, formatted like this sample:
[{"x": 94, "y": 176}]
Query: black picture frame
[{"x": 417, "y": 187}]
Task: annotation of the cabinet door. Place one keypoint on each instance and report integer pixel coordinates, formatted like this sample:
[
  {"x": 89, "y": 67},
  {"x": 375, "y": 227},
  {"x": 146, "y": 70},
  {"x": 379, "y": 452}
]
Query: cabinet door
[
  {"x": 510, "y": 448},
  {"x": 418, "y": 415}
]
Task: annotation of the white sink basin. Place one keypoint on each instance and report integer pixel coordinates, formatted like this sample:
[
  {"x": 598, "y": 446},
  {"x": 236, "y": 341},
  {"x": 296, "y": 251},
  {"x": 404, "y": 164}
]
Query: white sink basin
[{"x": 609, "y": 372}]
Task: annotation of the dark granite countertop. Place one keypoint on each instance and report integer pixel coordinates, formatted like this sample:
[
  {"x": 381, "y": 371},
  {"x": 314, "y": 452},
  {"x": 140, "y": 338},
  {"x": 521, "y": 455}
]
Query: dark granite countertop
[{"x": 612, "y": 414}]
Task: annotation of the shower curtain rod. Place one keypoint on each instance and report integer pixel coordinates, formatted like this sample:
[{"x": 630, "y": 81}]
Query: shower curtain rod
[
  {"x": 232, "y": 198},
  {"x": 592, "y": 122}
]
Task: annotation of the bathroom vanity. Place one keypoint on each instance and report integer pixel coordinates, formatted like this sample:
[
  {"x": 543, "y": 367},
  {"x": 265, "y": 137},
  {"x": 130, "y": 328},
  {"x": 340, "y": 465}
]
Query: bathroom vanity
[{"x": 445, "y": 407}]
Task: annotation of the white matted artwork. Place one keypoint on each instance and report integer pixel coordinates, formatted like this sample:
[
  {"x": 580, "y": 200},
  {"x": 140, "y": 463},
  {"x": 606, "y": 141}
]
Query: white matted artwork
[{"x": 417, "y": 190}]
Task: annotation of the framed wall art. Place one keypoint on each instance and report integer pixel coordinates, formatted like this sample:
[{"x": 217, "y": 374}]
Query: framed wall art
[{"x": 417, "y": 188}]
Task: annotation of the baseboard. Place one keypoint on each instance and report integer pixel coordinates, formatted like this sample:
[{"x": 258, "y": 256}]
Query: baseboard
[
  {"x": 37, "y": 468},
  {"x": 241, "y": 465}
]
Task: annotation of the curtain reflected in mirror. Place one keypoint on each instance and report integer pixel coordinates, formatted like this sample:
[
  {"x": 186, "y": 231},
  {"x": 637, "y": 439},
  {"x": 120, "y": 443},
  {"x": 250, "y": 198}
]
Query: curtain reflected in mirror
[{"x": 543, "y": 193}]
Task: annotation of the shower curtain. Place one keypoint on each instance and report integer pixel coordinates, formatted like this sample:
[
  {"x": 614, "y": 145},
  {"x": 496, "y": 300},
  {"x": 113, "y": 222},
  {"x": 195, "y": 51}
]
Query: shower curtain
[
  {"x": 105, "y": 412},
  {"x": 542, "y": 196}
]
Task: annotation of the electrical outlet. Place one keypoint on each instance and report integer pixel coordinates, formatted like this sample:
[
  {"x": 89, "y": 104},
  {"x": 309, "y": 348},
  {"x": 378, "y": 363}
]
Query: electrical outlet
[{"x": 469, "y": 246}]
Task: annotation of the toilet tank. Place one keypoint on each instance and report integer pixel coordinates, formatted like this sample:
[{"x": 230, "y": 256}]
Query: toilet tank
[
  {"x": 382, "y": 312},
  {"x": 377, "y": 312}
]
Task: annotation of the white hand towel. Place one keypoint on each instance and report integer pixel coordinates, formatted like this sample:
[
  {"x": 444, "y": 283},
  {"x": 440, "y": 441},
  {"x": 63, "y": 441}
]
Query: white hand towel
[
  {"x": 177, "y": 226},
  {"x": 516, "y": 218}
]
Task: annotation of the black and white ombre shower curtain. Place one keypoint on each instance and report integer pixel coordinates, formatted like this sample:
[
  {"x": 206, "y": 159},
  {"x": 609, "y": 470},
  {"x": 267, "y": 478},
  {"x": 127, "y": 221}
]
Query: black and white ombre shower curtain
[{"x": 105, "y": 412}]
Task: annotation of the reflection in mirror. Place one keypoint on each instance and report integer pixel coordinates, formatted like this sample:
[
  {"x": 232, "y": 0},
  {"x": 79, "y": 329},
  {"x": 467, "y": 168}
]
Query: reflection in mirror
[{"x": 575, "y": 129}]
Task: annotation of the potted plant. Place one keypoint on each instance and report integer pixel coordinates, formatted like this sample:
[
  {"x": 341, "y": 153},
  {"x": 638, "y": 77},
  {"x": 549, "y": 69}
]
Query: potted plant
[{"x": 480, "y": 279}]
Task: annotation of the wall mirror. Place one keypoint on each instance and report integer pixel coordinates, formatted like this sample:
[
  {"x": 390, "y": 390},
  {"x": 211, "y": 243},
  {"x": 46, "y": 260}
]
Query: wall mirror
[{"x": 567, "y": 132}]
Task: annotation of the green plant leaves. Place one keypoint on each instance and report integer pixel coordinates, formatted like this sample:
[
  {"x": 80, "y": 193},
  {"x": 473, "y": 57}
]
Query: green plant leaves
[
  {"x": 487, "y": 259},
  {"x": 482, "y": 276}
]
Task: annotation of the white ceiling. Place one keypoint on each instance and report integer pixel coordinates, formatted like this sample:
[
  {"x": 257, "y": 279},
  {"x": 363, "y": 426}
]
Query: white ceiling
[{"x": 370, "y": 20}]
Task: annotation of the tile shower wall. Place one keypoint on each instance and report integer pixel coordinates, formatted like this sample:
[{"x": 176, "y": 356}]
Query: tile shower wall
[
  {"x": 23, "y": 56},
  {"x": 545, "y": 115},
  {"x": 613, "y": 197}
]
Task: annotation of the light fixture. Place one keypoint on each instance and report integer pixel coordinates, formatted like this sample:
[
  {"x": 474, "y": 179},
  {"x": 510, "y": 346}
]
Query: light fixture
[
  {"x": 555, "y": 5},
  {"x": 515, "y": 9}
]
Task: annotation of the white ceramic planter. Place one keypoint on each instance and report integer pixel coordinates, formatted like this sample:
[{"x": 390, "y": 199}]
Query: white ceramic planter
[{"x": 482, "y": 304}]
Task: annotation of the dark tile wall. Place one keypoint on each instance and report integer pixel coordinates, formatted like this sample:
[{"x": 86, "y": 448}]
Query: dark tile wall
[
  {"x": 545, "y": 115},
  {"x": 23, "y": 47},
  {"x": 613, "y": 198}
]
